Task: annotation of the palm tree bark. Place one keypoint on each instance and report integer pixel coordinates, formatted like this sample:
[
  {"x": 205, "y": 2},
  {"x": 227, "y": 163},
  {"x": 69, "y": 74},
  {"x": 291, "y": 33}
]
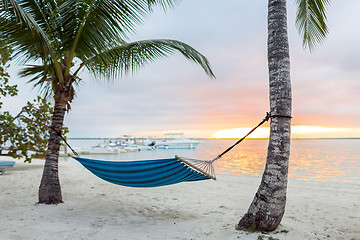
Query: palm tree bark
[
  {"x": 50, "y": 190},
  {"x": 268, "y": 206}
]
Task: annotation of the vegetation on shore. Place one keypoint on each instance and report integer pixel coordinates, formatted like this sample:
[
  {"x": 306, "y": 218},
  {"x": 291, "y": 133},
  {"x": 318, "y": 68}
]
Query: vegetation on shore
[{"x": 26, "y": 133}]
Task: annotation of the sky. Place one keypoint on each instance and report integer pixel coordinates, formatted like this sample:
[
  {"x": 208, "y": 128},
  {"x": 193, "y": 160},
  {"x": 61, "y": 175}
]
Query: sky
[{"x": 175, "y": 95}]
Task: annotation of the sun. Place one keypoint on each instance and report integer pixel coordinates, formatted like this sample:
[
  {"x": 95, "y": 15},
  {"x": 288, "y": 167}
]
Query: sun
[{"x": 316, "y": 132}]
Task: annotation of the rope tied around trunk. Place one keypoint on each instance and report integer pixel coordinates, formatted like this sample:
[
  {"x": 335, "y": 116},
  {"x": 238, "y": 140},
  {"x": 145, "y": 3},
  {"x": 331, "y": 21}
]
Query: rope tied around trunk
[{"x": 60, "y": 135}]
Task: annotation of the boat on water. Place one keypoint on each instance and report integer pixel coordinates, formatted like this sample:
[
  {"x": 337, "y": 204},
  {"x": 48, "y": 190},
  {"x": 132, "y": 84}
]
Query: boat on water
[
  {"x": 106, "y": 149},
  {"x": 180, "y": 142}
]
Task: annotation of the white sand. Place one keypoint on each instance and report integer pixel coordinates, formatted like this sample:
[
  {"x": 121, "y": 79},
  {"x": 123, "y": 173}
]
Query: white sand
[{"x": 95, "y": 209}]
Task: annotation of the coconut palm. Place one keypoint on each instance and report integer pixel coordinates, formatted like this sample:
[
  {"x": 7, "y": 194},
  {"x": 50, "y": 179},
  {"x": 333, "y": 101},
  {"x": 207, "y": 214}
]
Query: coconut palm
[
  {"x": 56, "y": 39},
  {"x": 268, "y": 206}
]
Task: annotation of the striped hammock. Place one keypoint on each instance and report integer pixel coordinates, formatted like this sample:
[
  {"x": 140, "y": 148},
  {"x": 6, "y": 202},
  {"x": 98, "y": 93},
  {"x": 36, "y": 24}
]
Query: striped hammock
[{"x": 150, "y": 173}]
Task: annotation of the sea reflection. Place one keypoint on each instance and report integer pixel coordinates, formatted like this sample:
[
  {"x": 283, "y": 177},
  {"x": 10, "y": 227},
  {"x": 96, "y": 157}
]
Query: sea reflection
[
  {"x": 319, "y": 159},
  {"x": 326, "y": 160},
  {"x": 247, "y": 158}
]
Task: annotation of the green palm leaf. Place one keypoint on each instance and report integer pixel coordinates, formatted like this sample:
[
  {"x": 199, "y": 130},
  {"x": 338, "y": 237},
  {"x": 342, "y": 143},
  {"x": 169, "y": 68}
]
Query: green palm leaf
[
  {"x": 99, "y": 24},
  {"x": 311, "y": 21},
  {"x": 128, "y": 57},
  {"x": 42, "y": 77},
  {"x": 102, "y": 22},
  {"x": 24, "y": 13}
]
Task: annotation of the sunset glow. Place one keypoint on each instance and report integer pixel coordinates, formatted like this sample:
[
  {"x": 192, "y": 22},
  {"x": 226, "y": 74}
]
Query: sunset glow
[{"x": 296, "y": 132}]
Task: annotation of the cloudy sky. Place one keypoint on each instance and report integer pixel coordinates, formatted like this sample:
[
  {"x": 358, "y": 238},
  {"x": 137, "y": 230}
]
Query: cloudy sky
[{"x": 175, "y": 95}]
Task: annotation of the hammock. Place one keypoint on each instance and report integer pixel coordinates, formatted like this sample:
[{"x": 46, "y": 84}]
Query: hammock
[
  {"x": 158, "y": 172},
  {"x": 149, "y": 173}
]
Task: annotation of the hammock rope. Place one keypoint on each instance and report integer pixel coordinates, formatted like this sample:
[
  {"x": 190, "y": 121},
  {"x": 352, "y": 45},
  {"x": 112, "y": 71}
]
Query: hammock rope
[
  {"x": 267, "y": 117},
  {"x": 206, "y": 166},
  {"x": 158, "y": 172},
  {"x": 67, "y": 144}
]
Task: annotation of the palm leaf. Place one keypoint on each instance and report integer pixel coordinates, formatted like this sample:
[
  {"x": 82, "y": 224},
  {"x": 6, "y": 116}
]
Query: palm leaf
[
  {"x": 26, "y": 45},
  {"x": 103, "y": 22},
  {"x": 311, "y": 21},
  {"x": 15, "y": 10},
  {"x": 128, "y": 57},
  {"x": 39, "y": 75},
  {"x": 30, "y": 17}
]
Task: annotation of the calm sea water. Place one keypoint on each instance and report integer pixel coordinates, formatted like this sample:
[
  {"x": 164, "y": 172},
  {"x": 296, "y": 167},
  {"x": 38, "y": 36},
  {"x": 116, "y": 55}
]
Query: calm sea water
[{"x": 319, "y": 159}]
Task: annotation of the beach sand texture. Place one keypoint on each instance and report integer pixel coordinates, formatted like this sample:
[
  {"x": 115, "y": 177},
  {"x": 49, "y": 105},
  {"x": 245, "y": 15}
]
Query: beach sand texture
[{"x": 95, "y": 209}]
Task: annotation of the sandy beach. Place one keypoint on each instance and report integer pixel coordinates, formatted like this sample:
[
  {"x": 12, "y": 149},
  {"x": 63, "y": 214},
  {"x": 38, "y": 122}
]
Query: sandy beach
[{"x": 95, "y": 209}]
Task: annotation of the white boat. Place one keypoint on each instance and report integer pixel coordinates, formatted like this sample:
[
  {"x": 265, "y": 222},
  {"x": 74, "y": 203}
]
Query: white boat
[
  {"x": 132, "y": 144},
  {"x": 104, "y": 150},
  {"x": 109, "y": 147},
  {"x": 177, "y": 143},
  {"x": 134, "y": 147}
]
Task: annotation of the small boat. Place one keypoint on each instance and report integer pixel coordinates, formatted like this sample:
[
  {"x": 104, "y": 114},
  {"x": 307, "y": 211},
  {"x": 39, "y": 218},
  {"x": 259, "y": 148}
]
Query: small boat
[
  {"x": 177, "y": 143},
  {"x": 102, "y": 150},
  {"x": 132, "y": 144}
]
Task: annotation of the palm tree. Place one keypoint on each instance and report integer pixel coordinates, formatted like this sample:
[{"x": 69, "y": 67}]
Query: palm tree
[
  {"x": 268, "y": 206},
  {"x": 61, "y": 37}
]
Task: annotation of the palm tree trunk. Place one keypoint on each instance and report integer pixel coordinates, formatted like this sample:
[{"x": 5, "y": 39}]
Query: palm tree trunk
[
  {"x": 50, "y": 190},
  {"x": 268, "y": 206}
]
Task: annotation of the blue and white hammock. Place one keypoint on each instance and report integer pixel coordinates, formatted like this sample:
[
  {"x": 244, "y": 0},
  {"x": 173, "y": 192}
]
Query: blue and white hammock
[{"x": 150, "y": 173}]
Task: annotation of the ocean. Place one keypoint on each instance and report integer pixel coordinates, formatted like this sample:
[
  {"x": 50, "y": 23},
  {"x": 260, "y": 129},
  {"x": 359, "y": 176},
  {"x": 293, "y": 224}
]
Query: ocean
[{"x": 334, "y": 160}]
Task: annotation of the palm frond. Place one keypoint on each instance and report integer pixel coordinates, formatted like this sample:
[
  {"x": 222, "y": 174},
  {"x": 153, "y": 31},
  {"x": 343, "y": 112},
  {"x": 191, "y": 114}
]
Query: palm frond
[
  {"x": 23, "y": 12},
  {"x": 41, "y": 76},
  {"x": 26, "y": 45},
  {"x": 30, "y": 17},
  {"x": 37, "y": 73},
  {"x": 129, "y": 57},
  {"x": 101, "y": 22},
  {"x": 311, "y": 21}
]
